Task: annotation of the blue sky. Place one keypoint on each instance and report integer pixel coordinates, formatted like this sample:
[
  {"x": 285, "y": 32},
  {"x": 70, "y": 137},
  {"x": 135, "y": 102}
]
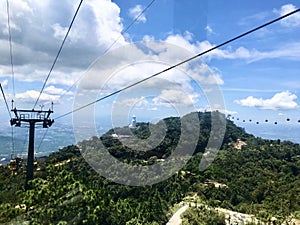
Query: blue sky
[{"x": 258, "y": 75}]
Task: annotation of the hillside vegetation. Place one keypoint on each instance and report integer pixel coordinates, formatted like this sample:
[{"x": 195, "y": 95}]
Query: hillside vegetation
[{"x": 259, "y": 177}]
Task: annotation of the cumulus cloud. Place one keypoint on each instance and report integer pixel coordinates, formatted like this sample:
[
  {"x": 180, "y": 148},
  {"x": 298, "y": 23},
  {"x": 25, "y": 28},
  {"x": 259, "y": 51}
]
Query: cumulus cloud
[
  {"x": 280, "y": 101},
  {"x": 180, "y": 87},
  {"x": 290, "y": 51},
  {"x": 217, "y": 108},
  {"x": 107, "y": 22},
  {"x": 59, "y": 31},
  {"x": 136, "y": 12},
  {"x": 52, "y": 90},
  {"x": 4, "y": 83},
  {"x": 31, "y": 95},
  {"x": 145, "y": 60},
  {"x": 208, "y": 75},
  {"x": 183, "y": 41},
  {"x": 38, "y": 28},
  {"x": 291, "y": 21},
  {"x": 18, "y": 9},
  {"x": 175, "y": 97},
  {"x": 132, "y": 102}
]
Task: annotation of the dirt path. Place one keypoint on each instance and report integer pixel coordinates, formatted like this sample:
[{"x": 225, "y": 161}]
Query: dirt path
[
  {"x": 232, "y": 217},
  {"x": 175, "y": 219}
]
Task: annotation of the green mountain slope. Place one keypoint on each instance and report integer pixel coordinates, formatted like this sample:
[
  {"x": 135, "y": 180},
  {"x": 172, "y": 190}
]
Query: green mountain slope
[{"x": 258, "y": 176}]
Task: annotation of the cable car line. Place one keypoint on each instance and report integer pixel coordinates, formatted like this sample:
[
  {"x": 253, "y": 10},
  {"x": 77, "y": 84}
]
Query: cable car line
[
  {"x": 4, "y": 98},
  {"x": 12, "y": 129},
  {"x": 115, "y": 41},
  {"x": 182, "y": 62},
  {"x": 42, "y": 140},
  {"x": 24, "y": 143},
  {"x": 58, "y": 53},
  {"x": 288, "y": 120},
  {"x": 12, "y": 76},
  {"x": 10, "y": 48},
  {"x": 130, "y": 25}
]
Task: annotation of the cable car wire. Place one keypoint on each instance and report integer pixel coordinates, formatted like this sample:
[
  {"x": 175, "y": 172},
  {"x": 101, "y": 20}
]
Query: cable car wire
[
  {"x": 182, "y": 62},
  {"x": 12, "y": 129},
  {"x": 130, "y": 25},
  {"x": 42, "y": 140},
  {"x": 10, "y": 48},
  {"x": 58, "y": 53},
  {"x": 24, "y": 142},
  {"x": 287, "y": 120},
  {"x": 115, "y": 41},
  {"x": 4, "y": 98},
  {"x": 12, "y": 75}
]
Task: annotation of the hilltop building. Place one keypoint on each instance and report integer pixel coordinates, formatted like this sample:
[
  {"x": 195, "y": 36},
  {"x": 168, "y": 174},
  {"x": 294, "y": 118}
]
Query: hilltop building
[{"x": 133, "y": 122}]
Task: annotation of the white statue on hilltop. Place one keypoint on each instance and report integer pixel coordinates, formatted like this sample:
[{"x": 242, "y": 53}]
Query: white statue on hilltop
[{"x": 133, "y": 122}]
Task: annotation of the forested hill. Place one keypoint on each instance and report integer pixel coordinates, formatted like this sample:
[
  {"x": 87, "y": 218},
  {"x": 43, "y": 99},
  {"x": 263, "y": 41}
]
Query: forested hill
[{"x": 249, "y": 175}]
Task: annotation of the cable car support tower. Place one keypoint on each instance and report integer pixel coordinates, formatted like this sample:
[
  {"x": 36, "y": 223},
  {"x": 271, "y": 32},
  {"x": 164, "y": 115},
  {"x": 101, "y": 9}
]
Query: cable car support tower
[{"x": 32, "y": 117}]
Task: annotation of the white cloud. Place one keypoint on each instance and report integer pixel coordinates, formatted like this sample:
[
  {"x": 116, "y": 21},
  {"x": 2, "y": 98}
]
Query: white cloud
[
  {"x": 64, "y": 77},
  {"x": 31, "y": 95},
  {"x": 59, "y": 31},
  {"x": 250, "y": 90},
  {"x": 199, "y": 47},
  {"x": 107, "y": 22},
  {"x": 291, "y": 21},
  {"x": 4, "y": 83},
  {"x": 175, "y": 97},
  {"x": 52, "y": 90},
  {"x": 209, "y": 30},
  {"x": 182, "y": 41},
  {"x": 280, "y": 101},
  {"x": 180, "y": 87},
  {"x": 132, "y": 102},
  {"x": 206, "y": 75},
  {"x": 217, "y": 108},
  {"x": 144, "y": 60},
  {"x": 254, "y": 18},
  {"x": 290, "y": 51},
  {"x": 228, "y": 112},
  {"x": 38, "y": 28},
  {"x": 135, "y": 12},
  {"x": 18, "y": 9}
]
